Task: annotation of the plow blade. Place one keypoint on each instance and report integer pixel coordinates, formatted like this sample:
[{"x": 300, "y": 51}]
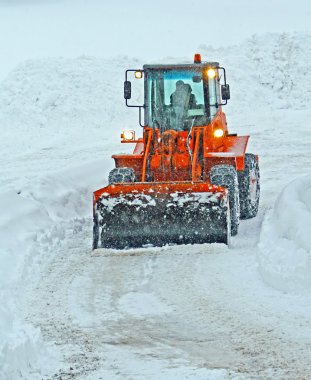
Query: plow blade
[{"x": 140, "y": 214}]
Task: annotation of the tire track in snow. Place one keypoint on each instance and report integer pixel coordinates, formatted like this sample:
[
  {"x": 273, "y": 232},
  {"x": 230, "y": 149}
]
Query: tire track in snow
[{"x": 164, "y": 304}]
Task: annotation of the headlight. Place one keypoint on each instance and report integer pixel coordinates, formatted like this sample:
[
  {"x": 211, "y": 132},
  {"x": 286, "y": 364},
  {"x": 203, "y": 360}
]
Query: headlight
[
  {"x": 218, "y": 133},
  {"x": 138, "y": 74},
  {"x": 211, "y": 73},
  {"x": 128, "y": 135}
]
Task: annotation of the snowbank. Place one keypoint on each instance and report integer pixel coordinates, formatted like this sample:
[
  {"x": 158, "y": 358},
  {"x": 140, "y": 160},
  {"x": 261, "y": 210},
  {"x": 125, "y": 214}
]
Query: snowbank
[
  {"x": 21, "y": 348},
  {"x": 267, "y": 70},
  {"x": 285, "y": 244},
  {"x": 20, "y": 345},
  {"x": 59, "y": 113},
  {"x": 60, "y": 121},
  {"x": 25, "y": 216}
]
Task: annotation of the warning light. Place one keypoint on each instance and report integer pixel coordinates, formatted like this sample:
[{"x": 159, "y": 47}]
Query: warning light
[{"x": 197, "y": 58}]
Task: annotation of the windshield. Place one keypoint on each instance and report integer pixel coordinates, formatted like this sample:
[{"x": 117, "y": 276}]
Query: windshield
[{"x": 175, "y": 99}]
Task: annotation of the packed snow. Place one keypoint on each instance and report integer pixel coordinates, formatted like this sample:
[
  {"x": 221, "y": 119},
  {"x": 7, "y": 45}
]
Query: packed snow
[{"x": 192, "y": 312}]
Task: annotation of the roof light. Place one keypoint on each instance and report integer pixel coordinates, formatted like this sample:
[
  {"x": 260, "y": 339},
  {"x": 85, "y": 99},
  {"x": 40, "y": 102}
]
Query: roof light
[
  {"x": 138, "y": 74},
  {"x": 197, "y": 58},
  {"x": 211, "y": 73}
]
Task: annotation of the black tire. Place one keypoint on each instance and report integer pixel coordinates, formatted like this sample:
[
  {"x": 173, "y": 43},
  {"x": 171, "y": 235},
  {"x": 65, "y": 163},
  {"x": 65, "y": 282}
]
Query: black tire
[
  {"x": 249, "y": 187},
  {"x": 95, "y": 232},
  {"x": 119, "y": 175},
  {"x": 226, "y": 176}
]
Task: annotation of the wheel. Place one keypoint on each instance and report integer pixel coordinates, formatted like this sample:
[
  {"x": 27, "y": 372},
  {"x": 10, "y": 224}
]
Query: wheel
[
  {"x": 119, "y": 175},
  {"x": 249, "y": 187},
  {"x": 226, "y": 176},
  {"x": 95, "y": 232}
]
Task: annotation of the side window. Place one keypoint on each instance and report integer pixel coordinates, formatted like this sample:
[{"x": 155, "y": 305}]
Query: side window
[
  {"x": 218, "y": 91},
  {"x": 212, "y": 96},
  {"x": 197, "y": 90}
]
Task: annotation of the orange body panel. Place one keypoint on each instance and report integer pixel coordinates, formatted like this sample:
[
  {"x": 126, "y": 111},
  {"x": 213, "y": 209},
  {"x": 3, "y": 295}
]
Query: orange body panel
[
  {"x": 218, "y": 122},
  {"x": 129, "y": 161},
  {"x": 182, "y": 155}
]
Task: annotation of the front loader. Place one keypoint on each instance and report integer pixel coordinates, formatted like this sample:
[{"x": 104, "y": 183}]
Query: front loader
[{"x": 188, "y": 180}]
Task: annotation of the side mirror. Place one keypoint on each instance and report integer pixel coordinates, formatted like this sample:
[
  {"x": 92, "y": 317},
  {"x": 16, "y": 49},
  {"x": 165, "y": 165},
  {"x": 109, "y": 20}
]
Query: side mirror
[
  {"x": 196, "y": 78},
  {"x": 127, "y": 90},
  {"x": 225, "y": 92}
]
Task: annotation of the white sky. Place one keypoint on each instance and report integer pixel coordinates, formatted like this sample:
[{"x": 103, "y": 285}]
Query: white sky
[{"x": 145, "y": 29}]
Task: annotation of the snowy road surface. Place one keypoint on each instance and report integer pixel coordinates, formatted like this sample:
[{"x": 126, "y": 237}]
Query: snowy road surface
[
  {"x": 181, "y": 312},
  {"x": 166, "y": 313}
]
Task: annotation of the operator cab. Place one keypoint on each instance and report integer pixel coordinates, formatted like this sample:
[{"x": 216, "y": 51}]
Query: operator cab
[{"x": 178, "y": 97}]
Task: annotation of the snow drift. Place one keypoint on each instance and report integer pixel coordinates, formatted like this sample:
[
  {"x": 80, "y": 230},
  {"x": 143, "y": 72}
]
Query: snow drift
[
  {"x": 31, "y": 223},
  {"x": 268, "y": 70},
  {"x": 285, "y": 243}
]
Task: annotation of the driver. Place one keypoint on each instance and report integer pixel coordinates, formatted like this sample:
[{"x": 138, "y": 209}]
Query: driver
[
  {"x": 181, "y": 101},
  {"x": 180, "y": 95}
]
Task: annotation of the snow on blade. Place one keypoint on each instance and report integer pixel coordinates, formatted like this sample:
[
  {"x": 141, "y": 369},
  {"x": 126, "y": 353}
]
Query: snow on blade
[
  {"x": 139, "y": 200},
  {"x": 196, "y": 198},
  {"x": 285, "y": 243}
]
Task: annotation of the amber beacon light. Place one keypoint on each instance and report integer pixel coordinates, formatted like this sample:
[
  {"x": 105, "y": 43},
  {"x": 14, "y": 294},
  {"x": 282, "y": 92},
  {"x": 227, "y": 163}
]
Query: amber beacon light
[{"x": 197, "y": 58}]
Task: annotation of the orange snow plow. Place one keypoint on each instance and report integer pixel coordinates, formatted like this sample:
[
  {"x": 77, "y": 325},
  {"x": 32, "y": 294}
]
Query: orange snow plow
[{"x": 188, "y": 180}]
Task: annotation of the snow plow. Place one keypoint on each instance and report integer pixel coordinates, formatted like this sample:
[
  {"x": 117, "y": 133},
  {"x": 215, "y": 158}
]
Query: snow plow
[{"x": 188, "y": 180}]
